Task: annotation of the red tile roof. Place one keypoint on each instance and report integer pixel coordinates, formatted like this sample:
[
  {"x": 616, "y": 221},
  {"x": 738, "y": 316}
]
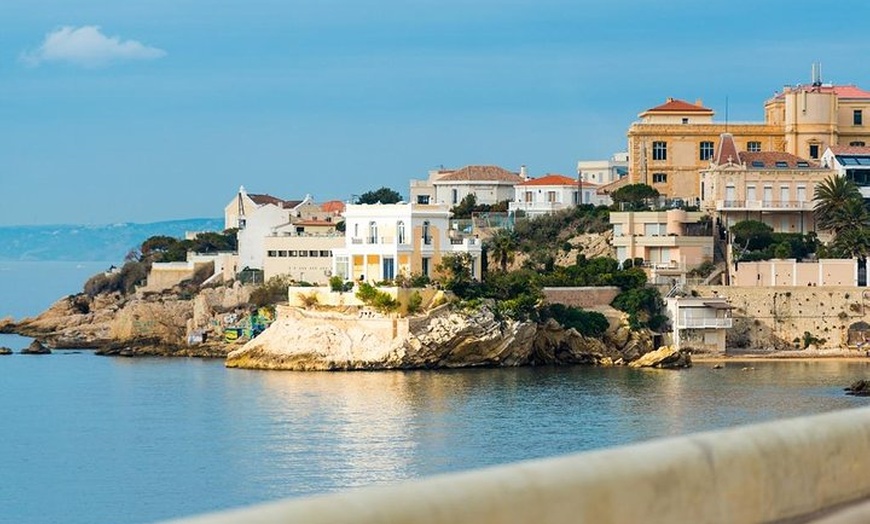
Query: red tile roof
[
  {"x": 770, "y": 158},
  {"x": 481, "y": 173},
  {"x": 850, "y": 150},
  {"x": 672, "y": 105},
  {"x": 847, "y": 91},
  {"x": 314, "y": 223},
  {"x": 727, "y": 150},
  {"x": 262, "y": 200},
  {"x": 332, "y": 206},
  {"x": 551, "y": 180}
]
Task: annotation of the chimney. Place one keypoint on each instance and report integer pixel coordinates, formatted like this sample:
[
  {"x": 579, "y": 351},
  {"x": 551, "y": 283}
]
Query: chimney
[
  {"x": 523, "y": 172},
  {"x": 699, "y": 102}
]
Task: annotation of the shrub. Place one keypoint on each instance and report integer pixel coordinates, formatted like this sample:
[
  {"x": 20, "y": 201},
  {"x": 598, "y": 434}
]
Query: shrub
[
  {"x": 587, "y": 323},
  {"x": 271, "y": 292},
  {"x": 308, "y": 300},
  {"x": 336, "y": 284},
  {"x": 415, "y": 301}
]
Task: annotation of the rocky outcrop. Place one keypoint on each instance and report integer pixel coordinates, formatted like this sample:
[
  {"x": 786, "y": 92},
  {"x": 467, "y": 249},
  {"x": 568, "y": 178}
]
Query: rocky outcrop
[
  {"x": 36, "y": 348},
  {"x": 138, "y": 324},
  {"x": 859, "y": 388},
  {"x": 663, "y": 357},
  {"x": 5, "y": 350},
  {"x": 305, "y": 340}
]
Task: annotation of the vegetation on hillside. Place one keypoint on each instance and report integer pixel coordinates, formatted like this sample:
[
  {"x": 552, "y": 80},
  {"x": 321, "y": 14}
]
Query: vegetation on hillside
[
  {"x": 469, "y": 206},
  {"x": 384, "y": 195},
  {"x": 841, "y": 210}
]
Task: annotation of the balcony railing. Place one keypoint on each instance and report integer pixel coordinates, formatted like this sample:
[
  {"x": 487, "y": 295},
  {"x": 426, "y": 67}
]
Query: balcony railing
[
  {"x": 760, "y": 205},
  {"x": 701, "y": 322}
]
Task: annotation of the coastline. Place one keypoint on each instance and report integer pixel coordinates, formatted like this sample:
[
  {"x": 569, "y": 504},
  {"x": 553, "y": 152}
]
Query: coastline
[{"x": 775, "y": 356}]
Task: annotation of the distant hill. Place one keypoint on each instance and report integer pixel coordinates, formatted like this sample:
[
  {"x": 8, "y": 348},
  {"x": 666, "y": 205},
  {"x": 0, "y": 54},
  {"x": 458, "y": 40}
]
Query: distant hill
[{"x": 77, "y": 243}]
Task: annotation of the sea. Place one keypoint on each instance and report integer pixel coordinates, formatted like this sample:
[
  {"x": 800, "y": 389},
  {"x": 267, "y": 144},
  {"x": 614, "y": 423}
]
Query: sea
[{"x": 90, "y": 439}]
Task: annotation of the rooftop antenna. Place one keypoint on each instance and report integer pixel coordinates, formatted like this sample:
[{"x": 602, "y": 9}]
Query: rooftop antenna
[
  {"x": 726, "y": 113},
  {"x": 817, "y": 74}
]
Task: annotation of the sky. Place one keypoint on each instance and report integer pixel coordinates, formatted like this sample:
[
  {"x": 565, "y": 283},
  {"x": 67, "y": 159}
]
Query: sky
[{"x": 151, "y": 110}]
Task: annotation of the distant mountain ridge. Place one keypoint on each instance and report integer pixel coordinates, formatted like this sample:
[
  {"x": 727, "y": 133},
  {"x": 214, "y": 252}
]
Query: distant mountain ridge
[{"x": 86, "y": 243}]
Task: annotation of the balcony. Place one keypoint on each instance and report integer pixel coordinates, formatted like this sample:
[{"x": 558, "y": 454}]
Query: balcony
[
  {"x": 702, "y": 322},
  {"x": 764, "y": 205}
]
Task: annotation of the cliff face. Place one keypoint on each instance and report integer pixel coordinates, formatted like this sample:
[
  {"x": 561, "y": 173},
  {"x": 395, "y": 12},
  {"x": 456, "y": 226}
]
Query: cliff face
[
  {"x": 309, "y": 340},
  {"x": 152, "y": 324}
]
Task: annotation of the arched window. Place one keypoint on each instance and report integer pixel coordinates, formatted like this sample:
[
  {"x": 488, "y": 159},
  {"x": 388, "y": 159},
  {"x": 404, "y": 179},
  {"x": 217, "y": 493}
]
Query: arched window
[
  {"x": 373, "y": 232},
  {"x": 400, "y": 232}
]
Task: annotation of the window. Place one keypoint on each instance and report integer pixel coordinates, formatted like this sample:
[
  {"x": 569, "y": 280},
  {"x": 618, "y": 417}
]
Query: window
[
  {"x": 685, "y": 120},
  {"x": 660, "y": 178},
  {"x": 292, "y": 253},
  {"x": 857, "y": 118},
  {"x": 282, "y": 253},
  {"x": 272, "y": 254},
  {"x": 757, "y": 163},
  {"x": 423, "y": 199},
  {"x": 753, "y": 146},
  {"x": 617, "y": 230},
  {"x": 803, "y": 163},
  {"x": 425, "y": 269},
  {"x": 857, "y": 143},
  {"x": 574, "y": 197},
  {"x": 551, "y": 196},
  {"x": 814, "y": 150},
  {"x": 781, "y": 164},
  {"x": 706, "y": 150},
  {"x": 389, "y": 268},
  {"x": 325, "y": 253},
  {"x": 527, "y": 196},
  {"x": 455, "y": 193},
  {"x": 313, "y": 253},
  {"x": 400, "y": 232},
  {"x": 426, "y": 238},
  {"x": 303, "y": 253},
  {"x": 660, "y": 150},
  {"x": 373, "y": 232}
]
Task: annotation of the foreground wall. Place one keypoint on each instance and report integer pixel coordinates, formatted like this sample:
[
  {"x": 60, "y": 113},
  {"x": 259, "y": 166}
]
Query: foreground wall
[
  {"x": 775, "y": 317},
  {"x": 762, "y": 473}
]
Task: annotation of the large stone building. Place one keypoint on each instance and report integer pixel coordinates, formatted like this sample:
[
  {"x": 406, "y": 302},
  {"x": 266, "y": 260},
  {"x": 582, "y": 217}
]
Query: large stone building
[{"x": 672, "y": 142}]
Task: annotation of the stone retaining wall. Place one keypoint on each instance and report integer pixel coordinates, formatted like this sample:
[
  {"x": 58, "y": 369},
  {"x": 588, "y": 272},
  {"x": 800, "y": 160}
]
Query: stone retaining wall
[{"x": 582, "y": 297}]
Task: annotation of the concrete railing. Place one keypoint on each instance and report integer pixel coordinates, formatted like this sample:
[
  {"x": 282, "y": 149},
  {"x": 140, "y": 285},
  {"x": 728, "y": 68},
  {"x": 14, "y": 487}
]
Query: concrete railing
[{"x": 797, "y": 470}]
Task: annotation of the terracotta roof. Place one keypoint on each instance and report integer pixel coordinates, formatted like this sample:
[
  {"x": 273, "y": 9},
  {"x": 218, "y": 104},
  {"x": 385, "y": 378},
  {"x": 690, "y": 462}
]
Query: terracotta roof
[
  {"x": 727, "y": 150},
  {"x": 770, "y": 158},
  {"x": 850, "y": 150},
  {"x": 673, "y": 105},
  {"x": 481, "y": 173},
  {"x": 262, "y": 200},
  {"x": 314, "y": 223},
  {"x": 847, "y": 91},
  {"x": 332, "y": 206},
  {"x": 613, "y": 186},
  {"x": 290, "y": 204},
  {"x": 551, "y": 180}
]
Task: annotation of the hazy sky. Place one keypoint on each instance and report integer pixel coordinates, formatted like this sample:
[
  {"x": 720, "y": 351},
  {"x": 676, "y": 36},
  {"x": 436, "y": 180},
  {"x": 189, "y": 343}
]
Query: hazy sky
[{"x": 139, "y": 111}]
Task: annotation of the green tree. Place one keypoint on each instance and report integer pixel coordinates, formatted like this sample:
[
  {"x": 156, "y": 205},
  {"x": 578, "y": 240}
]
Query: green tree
[
  {"x": 161, "y": 248},
  {"x": 454, "y": 274},
  {"x": 751, "y": 235},
  {"x": 839, "y": 205},
  {"x": 502, "y": 247},
  {"x": 465, "y": 207},
  {"x": 384, "y": 195},
  {"x": 634, "y": 196}
]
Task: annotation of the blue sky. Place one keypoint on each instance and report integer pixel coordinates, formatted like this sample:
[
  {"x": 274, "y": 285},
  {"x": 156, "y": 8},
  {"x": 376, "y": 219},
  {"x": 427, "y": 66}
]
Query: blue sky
[{"x": 141, "y": 111}]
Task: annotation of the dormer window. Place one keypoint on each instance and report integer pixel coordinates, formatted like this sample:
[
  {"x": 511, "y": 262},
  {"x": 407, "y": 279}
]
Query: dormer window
[{"x": 781, "y": 164}]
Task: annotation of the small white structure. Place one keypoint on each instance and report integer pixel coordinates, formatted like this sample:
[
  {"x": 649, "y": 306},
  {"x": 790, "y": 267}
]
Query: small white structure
[
  {"x": 852, "y": 162},
  {"x": 699, "y": 323},
  {"x": 603, "y": 172},
  {"x": 385, "y": 240},
  {"x": 489, "y": 185},
  {"x": 549, "y": 193}
]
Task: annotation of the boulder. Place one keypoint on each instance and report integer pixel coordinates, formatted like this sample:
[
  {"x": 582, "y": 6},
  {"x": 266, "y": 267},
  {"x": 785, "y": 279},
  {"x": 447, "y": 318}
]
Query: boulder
[
  {"x": 36, "y": 348},
  {"x": 664, "y": 357},
  {"x": 5, "y": 351},
  {"x": 859, "y": 388}
]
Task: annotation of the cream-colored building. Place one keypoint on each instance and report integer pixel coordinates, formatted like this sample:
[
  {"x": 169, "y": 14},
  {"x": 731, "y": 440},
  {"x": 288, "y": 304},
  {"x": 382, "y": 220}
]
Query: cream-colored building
[
  {"x": 790, "y": 272},
  {"x": 673, "y": 239},
  {"x": 603, "y": 172},
  {"x": 302, "y": 251},
  {"x": 489, "y": 185},
  {"x": 385, "y": 240},
  {"x": 699, "y": 324},
  {"x": 671, "y": 143},
  {"x": 772, "y": 187}
]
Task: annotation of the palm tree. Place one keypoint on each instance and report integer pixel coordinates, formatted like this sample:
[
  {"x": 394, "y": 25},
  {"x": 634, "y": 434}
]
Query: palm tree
[
  {"x": 502, "y": 247},
  {"x": 839, "y": 205}
]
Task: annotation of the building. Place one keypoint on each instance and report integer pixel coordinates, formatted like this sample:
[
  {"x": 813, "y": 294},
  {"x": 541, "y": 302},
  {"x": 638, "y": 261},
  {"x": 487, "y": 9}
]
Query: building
[
  {"x": 603, "y": 172},
  {"x": 675, "y": 239},
  {"x": 539, "y": 196},
  {"x": 852, "y": 162},
  {"x": 386, "y": 240},
  {"x": 672, "y": 142},
  {"x": 302, "y": 250},
  {"x": 489, "y": 184},
  {"x": 776, "y": 188},
  {"x": 699, "y": 324},
  {"x": 790, "y": 273}
]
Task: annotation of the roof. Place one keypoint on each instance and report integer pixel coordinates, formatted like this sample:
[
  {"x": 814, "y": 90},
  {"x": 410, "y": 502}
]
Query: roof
[
  {"x": 727, "y": 151},
  {"x": 481, "y": 173},
  {"x": 613, "y": 186},
  {"x": 314, "y": 223},
  {"x": 844, "y": 91},
  {"x": 290, "y": 204},
  {"x": 850, "y": 150},
  {"x": 552, "y": 180},
  {"x": 332, "y": 206},
  {"x": 770, "y": 159},
  {"x": 262, "y": 200},
  {"x": 672, "y": 105}
]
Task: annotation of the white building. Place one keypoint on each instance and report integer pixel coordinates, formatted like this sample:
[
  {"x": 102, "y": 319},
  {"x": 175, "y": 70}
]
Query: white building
[
  {"x": 550, "y": 193},
  {"x": 385, "y": 240},
  {"x": 699, "y": 323},
  {"x": 489, "y": 185},
  {"x": 604, "y": 171},
  {"x": 852, "y": 162}
]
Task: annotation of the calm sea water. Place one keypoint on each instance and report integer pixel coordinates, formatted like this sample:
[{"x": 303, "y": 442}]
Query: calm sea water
[{"x": 88, "y": 439}]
